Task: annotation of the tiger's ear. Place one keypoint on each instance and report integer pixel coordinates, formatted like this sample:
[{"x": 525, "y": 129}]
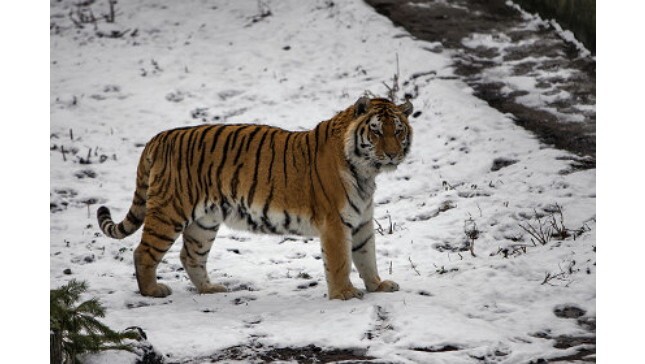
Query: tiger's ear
[
  {"x": 361, "y": 106},
  {"x": 406, "y": 108}
]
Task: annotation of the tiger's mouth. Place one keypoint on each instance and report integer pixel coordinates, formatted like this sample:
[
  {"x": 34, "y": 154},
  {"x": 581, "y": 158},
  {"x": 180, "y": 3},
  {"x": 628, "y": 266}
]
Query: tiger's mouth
[{"x": 385, "y": 166}]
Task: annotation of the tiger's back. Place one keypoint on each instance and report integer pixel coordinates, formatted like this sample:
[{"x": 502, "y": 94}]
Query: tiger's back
[{"x": 258, "y": 178}]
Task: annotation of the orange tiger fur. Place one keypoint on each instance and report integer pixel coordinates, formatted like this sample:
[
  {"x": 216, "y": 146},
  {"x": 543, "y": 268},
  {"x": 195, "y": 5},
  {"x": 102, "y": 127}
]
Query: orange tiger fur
[{"x": 265, "y": 179}]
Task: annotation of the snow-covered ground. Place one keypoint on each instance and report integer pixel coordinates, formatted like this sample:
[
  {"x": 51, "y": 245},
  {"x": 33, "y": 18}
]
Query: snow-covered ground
[{"x": 470, "y": 168}]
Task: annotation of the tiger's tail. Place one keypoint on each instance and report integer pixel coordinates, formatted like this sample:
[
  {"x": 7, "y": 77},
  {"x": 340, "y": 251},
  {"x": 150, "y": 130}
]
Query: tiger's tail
[{"x": 134, "y": 219}]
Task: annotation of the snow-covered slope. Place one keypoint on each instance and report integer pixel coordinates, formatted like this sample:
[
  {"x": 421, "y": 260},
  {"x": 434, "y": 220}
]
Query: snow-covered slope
[{"x": 470, "y": 169}]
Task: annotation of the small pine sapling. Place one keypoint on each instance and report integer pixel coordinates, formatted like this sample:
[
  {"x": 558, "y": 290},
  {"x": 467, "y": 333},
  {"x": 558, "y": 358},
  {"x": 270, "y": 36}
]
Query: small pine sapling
[{"x": 74, "y": 328}]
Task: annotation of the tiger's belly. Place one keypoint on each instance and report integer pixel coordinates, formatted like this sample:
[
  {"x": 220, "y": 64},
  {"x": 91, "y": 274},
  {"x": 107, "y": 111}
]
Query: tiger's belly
[{"x": 269, "y": 222}]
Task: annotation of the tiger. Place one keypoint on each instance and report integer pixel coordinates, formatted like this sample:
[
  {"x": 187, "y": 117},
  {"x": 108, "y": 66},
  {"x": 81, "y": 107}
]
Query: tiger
[{"x": 314, "y": 183}]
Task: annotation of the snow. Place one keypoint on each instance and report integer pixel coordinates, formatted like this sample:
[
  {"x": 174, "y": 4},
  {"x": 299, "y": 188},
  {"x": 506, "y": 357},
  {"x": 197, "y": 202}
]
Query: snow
[{"x": 292, "y": 69}]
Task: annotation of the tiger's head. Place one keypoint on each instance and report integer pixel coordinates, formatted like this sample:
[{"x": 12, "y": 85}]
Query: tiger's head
[{"x": 380, "y": 135}]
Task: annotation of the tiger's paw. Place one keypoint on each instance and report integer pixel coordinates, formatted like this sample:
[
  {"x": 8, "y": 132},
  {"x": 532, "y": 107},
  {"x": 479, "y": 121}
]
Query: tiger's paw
[
  {"x": 387, "y": 286},
  {"x": 211, "y": 288},
  {"x": 346, "y": 293},
  {"x": 159, "y": 290}
]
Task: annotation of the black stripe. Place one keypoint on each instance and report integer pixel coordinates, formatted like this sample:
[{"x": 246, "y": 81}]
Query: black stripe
[
  {"x": 189, "y": 255},
  {"x": 293, "y": 155},
  {"x": 208, "y": 228},
  {"x": 180, "y": 159},
  {"x": 222, "y": 162},
  {"x": 225, "y": 207},
  {"x": 251, "y": 136},
  {"x": 179, "y": 210},
  {"x": 257, "y": 165},
  {"x": 205, "y": 132},
  {"x": 359, "y": 181},
  {"x": 189, "y": 239},
  {"x": 345, "y": 222},
  {"x": 362, "y": 244},
  {"x": 359, "y": 227},
  {"x": 166, "y": 220},
  {"x": 272, "y": 148},
  {"x": 284, "y": 158},
  {"x": 287, "y": 220},
  {"x": 316, "y": 131},
  {"x": 265, "y": 211},
  {"x": 154, "y": 259},
  {"x": 121, "y": 229},
  {"x": 356, "y": 151},
  {"x": 327, "y": 131},
  {"x": 239, "y": 149},
  {"x": 133, "y": 218},
  {"x": 138, "y": 200},
  {"x": 209, "y": 178},
  {"x": 223, "y": 158},
  {"x": 216, "y": 136},
  {"x": 202, "y": 254},
  {"x": 191, "y": 147},
  {"x": 158, "y": 250},
  {"x": 235, "y": 181},
  {"x": 233, "y": 141},
  {"x": 202, "y": 156},
  {"x": 105, "y": 222},
  {"x": 351, "y": 203},
  {"x": 314, "y": 166},
  {"x": 242, "y": 211},
  {"x": 159, "y": 236}
]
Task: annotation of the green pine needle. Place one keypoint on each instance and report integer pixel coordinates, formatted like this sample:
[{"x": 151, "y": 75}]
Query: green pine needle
[{"x": 75, "y": 329}]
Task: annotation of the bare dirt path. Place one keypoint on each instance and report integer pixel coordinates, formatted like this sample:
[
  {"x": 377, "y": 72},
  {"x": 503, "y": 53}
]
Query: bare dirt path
[{"x": 519, "y": 65}]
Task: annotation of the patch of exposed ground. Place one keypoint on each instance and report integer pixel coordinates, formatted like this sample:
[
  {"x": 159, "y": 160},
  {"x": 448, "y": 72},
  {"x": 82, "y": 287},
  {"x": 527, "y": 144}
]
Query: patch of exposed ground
[
  {"x": 257, "y": 353},
  {"x": 519, "y": 65}
]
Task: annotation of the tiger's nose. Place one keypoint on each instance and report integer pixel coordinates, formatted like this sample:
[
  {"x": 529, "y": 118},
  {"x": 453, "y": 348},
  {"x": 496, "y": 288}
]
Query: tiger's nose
[{"x": 392, "y": 155}]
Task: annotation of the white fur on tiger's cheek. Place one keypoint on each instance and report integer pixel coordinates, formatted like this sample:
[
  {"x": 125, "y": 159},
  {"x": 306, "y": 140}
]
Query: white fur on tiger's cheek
[{"x": 376, "y": 125}]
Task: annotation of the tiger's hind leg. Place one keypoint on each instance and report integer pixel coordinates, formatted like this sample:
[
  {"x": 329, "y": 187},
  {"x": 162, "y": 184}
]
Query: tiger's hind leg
[
  {"x": 198, "y": 239},
  {"x": 158, "y": 236}
]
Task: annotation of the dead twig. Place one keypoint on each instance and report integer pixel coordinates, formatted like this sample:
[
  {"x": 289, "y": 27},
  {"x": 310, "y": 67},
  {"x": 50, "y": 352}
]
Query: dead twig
[
  {"x": 379, "y": 228},
  {"x": 472, "y": 233},
  {"x": 393, "y": 91},
  {"x": 559, "y": 230},
  {"x": 112, "y": 14},
  {"x": 414, "y": 267},
  {"x": 541, "y": 232}
]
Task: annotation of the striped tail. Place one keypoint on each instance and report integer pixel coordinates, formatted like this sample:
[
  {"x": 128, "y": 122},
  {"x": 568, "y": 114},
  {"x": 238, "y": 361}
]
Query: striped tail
[
  {"x": 134, "y": 219},
  {"x": 125, "y": 228}
]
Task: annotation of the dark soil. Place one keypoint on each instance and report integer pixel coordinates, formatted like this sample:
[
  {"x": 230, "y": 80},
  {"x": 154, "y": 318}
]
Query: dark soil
[
  {"x": 584, "y": 344},
  {"x": 449, "y": 22},
  {"x": 256, "y": 353}
]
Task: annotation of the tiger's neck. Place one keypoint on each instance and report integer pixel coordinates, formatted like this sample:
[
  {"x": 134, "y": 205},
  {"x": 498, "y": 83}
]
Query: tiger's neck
[
  {"x": 358, "y": 175},
  {"x": 327, "y": 143}
]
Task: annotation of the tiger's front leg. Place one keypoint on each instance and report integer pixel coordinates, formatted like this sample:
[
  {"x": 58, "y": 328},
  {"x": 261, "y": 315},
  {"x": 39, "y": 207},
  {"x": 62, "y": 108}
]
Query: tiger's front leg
[
  {"x": 364, "y": 257},
  {"x": 336, "y": 248}
]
